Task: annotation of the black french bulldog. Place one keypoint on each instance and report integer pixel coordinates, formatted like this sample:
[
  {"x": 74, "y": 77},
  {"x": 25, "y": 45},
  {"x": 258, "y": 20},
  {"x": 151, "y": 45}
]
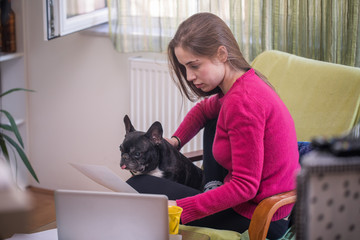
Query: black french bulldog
[{"x": 149, "y": 153}]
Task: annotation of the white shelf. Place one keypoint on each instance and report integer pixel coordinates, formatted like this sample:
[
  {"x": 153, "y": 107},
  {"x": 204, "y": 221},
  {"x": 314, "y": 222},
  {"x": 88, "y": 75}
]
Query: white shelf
[
  {"x": 13, "y": 75},
  {"x": 18, "y": 122},
  {"x": 9, "y": 56}
]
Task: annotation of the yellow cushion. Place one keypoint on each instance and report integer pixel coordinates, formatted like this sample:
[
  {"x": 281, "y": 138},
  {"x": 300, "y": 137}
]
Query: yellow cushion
[{"x": 323, "y": 98}]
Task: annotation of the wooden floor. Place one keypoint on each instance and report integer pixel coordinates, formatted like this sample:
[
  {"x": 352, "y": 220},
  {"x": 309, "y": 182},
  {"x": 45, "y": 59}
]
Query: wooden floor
[
  {"x": 44, "y": 208},
  {"x": 41, "y": 214}
]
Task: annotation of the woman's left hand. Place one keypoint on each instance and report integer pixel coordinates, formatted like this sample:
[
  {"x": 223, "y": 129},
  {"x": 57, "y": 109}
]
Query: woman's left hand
[{"x": 173, "y": 142}]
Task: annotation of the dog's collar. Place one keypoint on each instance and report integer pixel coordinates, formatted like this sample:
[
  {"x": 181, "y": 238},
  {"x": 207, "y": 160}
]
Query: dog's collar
[{"x": 134, "y": 173}]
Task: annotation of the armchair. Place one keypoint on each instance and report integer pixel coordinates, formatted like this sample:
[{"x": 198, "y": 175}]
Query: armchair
[{"x": 324, "y": 100}]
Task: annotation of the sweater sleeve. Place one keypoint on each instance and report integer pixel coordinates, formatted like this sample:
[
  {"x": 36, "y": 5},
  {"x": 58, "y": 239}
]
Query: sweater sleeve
[
  {"x": 242, "y": 125},
  {"x": 196, "y": 118}
]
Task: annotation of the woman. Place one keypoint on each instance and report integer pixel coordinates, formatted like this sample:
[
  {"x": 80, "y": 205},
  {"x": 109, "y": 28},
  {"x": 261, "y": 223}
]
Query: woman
[{"x": 255, "y": 138}]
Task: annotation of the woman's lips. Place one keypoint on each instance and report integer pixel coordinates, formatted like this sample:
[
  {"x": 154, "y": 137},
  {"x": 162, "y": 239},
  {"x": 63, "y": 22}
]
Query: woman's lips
[{"x": 199, "y": 85}]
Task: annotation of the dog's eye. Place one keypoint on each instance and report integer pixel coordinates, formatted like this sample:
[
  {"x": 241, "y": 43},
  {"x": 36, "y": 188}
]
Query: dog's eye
[
  {"x": 137, "y": 154},
  {"x": 121, "y": 148}
]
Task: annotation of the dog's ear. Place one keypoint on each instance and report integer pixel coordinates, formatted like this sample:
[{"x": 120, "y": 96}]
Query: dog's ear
[
  {"x": 155, "y": 133},
  {"x": 128, "y": 126}
]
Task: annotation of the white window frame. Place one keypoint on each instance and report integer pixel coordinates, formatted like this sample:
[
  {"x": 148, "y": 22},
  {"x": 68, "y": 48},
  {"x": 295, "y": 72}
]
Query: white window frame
[{"x": 57, "y": 24}]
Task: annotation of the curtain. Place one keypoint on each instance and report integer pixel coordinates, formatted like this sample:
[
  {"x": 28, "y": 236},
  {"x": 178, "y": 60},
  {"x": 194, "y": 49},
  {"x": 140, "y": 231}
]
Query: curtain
[{"x": 327, "y": 30}]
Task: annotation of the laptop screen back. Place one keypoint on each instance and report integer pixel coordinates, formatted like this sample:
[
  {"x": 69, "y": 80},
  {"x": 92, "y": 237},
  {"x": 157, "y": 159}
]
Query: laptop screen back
[{"x": 87, "y": 215}]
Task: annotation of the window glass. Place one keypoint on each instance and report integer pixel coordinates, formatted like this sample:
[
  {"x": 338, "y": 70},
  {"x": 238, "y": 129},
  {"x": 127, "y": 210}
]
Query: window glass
[
  {"x": 78, "y": 7},
  {"x": 68, "y": 16}
]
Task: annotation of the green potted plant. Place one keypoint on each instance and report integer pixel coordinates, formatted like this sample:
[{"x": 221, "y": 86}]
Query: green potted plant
[{"x": 16, "y": 142}]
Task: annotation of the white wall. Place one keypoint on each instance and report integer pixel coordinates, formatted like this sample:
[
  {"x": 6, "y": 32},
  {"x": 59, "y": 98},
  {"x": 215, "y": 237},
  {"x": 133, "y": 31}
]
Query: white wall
[{"x": 82, "y": 93}]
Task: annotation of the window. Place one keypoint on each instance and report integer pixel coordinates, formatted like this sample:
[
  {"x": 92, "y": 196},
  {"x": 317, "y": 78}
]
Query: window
[
  {"x": 148, "y": 25},
  {"x": 68, "y": 16}
]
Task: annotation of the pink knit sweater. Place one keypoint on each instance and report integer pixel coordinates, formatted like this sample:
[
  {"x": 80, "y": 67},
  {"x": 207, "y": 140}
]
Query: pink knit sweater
[{"x": 255, "y": 141}]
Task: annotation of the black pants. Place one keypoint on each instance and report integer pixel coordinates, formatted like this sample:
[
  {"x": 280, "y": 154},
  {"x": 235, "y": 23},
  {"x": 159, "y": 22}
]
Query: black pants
[{"x": 227, "y": 219}]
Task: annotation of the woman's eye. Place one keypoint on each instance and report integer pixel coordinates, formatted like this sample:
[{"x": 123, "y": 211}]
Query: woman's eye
[{"x": 195, "y": 66}]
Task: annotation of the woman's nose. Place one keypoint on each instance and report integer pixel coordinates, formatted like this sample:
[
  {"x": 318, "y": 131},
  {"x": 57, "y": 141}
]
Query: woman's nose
[{"x": 190, "y": 76}]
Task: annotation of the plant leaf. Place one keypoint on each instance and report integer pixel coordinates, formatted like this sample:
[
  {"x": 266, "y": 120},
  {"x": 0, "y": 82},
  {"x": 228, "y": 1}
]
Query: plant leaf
[
  {"x": 14, "y": 128},
  {"x": 4, "y": 148},
  {"x": 6, "y": 127},
  {"x": 15, "y": 90},
  {"x": 22, "y": 156}
]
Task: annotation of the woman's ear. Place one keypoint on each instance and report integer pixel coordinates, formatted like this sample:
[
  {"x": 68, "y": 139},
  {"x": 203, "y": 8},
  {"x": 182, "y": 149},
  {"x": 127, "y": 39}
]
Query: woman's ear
[{"x": 222, "y": 54}]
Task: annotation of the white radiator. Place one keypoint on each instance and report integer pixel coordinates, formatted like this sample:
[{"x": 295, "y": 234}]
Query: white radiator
[{"x": 155, "y": 97}]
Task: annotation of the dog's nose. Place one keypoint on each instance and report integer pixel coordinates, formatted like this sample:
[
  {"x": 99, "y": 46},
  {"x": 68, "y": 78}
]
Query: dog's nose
[{"x": 125, "y": 156}]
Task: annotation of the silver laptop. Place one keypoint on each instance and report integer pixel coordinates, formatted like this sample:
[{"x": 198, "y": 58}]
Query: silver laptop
[{"x": 89, "y": 215}]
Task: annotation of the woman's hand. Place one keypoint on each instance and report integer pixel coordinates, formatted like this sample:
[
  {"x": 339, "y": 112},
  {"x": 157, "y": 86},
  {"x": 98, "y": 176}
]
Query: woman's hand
[
  {"x": 173, "y": 141},
  {"x": 172, "y": 203}
]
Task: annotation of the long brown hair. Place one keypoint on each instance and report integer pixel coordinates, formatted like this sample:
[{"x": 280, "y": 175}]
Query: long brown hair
[{"x": 202, "y": 34}]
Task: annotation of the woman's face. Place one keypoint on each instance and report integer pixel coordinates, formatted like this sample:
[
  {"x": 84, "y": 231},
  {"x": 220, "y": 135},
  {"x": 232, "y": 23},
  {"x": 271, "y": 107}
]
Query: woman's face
[{"x": 203, "y": 72}]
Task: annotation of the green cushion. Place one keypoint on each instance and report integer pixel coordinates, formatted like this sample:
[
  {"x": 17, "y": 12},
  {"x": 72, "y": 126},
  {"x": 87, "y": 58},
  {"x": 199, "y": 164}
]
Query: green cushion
[
  {"x": 323, "y": 98},
  {"x": 215, "y": 234}
]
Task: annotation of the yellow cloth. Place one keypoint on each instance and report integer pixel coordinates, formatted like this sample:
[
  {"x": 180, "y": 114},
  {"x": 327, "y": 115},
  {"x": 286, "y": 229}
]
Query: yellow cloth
[{"x": 323, "y": 98}]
